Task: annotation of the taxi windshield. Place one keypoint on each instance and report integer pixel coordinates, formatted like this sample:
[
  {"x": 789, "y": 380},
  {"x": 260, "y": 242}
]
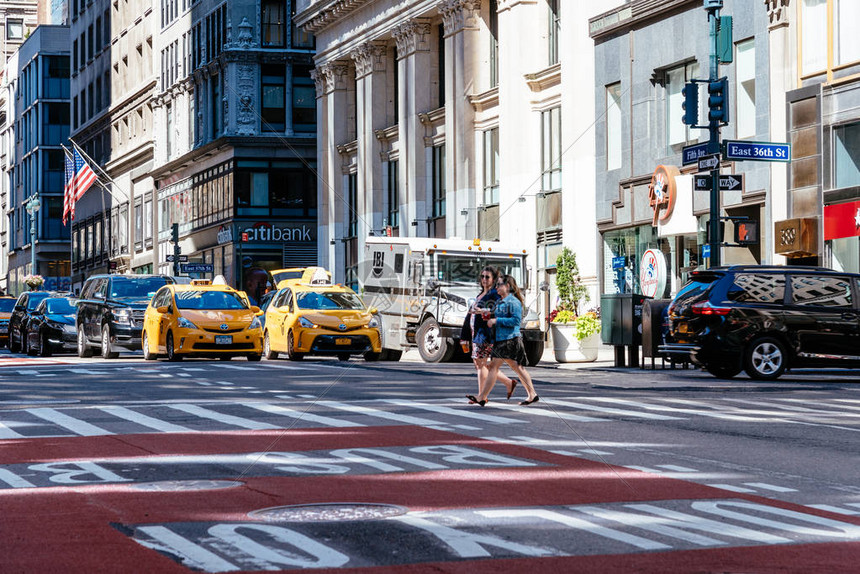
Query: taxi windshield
[
  {"x": 323, "y": 300},
  {"x": 209, "y": 300}
]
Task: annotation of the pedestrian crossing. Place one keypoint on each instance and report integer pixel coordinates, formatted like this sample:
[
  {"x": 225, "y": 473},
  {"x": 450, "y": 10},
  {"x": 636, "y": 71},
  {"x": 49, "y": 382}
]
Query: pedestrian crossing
[{"x": 271, "y": 411}]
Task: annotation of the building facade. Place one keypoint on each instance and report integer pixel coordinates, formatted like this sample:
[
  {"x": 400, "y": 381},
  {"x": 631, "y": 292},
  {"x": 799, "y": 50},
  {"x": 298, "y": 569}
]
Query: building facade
[
  {"x": 209, "y": 125},
  {"x": 645, "y": 53},
  {"x": 437, "y": 119},
  {"x": 37, "y": 94}
]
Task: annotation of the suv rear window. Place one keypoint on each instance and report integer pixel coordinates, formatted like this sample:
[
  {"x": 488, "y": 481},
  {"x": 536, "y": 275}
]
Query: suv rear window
[
  {"x": 821, "y": 291},
  {"x": 698, "y": 285},
  {"x": 757, "y": 288}
]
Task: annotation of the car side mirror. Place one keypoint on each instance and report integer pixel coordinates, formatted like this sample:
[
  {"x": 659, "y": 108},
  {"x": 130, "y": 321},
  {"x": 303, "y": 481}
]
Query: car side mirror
[
  {"x": 256, "y": 310},
  {"x": 373, "y": 310},
  {"x": 163, "y": 309}
]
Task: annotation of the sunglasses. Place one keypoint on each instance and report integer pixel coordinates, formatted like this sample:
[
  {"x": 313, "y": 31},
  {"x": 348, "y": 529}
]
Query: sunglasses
[{"x": 486, "y": 276}]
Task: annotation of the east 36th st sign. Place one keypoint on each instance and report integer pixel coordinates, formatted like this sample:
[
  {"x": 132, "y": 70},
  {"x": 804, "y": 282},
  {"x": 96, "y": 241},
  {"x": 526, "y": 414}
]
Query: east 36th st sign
[{"x": 727, "y": 182}]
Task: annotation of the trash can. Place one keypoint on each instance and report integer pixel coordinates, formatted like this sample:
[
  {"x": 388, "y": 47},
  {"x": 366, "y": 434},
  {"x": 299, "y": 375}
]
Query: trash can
[
  {"x": 621, "y": 324},
  {"x": 654, "y": 327}
]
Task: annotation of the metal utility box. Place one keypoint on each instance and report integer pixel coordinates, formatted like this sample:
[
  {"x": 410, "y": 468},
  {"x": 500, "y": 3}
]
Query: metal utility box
[
  {"x": 654, "y": 325},
  {"x": 621, "y": 318}
]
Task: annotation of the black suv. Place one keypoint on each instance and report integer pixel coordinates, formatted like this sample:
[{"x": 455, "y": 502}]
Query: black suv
[
  {"x": 110, "y": 311},
  {"x": 766, "y": 319}
]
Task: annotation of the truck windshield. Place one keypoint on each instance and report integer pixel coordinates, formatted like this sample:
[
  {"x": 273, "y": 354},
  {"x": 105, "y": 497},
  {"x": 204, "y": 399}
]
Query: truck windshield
[{"x": 467, "y": 268}]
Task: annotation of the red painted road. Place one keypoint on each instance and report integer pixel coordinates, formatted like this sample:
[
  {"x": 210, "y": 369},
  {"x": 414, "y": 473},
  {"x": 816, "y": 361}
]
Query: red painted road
[{"x": 86, "y": 528}]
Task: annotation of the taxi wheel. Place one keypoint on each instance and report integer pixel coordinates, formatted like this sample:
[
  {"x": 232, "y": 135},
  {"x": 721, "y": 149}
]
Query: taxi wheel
[
  {"x": 267, "y": 348},
  {"x": 370, "y": 356},
  {"x": 107, "y": 347},
  {"x": 172, "y": 355},
  {"x": 255, "y": 358},
  {"x": 293, "y": 355},
  {"x": 147, "y": 354}
]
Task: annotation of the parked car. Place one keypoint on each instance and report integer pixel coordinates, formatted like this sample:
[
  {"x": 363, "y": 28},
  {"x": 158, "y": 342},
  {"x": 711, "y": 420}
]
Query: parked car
[
  {"x": 320, "y": 320},
  {"x": 51, "y": 327},
  {"x": 201, "y": 319},
  {"x": 7, "y": 305},
  {"x": 766, "y": 320},
  {"x": 24, "y": 307},
  {"x": 110, "y": 311}
]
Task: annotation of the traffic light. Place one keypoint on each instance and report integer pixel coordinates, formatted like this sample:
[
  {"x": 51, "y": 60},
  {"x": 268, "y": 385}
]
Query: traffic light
[
  {"x": 691, "y": 104},
  {"x": 718, "y": 101},
  {"x": 174, "y": 234}
]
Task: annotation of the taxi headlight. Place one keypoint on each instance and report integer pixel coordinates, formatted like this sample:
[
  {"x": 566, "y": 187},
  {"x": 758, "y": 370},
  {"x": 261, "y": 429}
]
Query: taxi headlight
[
  {"x": 533, "y": 324},
  {"x": 306, "y": 323},
  {"x": 255, "y": 324},
  {"x": 374, "y": 323},
  {"x": 186, "y": 324}
]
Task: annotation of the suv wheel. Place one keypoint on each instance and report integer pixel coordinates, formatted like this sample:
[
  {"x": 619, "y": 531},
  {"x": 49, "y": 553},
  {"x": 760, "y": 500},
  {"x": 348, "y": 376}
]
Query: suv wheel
[
  {"x": 765, "y": 359},
  {"x": 171, "y": 349},
  {"x": 83, "y": 347},
  {"x": 723, "y": 371},
  {"x": 107, "y": 347}
]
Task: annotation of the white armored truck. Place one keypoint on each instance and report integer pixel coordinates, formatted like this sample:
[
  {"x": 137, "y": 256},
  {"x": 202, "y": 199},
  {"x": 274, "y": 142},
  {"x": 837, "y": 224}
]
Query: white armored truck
[{"x": 422, "y": 289}]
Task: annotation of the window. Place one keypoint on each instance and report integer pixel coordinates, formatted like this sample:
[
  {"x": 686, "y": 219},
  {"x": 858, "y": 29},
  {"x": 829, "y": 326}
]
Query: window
[
  {"x": 304, "y": 101},
  {"x": 273, "y": 23},
  {"x": 676, "y": 131},
  {"x": 822, "y": 291},
  {"x": 815, "y": 16},
  {"x": 846, "y": 41},
  {"x": 554, "y": 31},
  {"x": 613, "y": 126},
  {"x": 169, "y": 139},
  {"x": 745, "y": 89},
  {"x": 352, "y": 206},
  {"x": 750, "y": 288},
  {"x": 215, "y": 87},
  {"x": 299, "y": 38},
  {"x": 846, "y": 155},
  {"x": 494, "y": 43},
  {"x": 551, "y": 150},
  {"x": 440, "y": 53},
  {"x": 274, "y": 111},
  {"x": 438, "y": 182},
  {"x": 14, "y": 29},
  {"x": 491, "y": 167},
  {"x": 393, "y": 195}
]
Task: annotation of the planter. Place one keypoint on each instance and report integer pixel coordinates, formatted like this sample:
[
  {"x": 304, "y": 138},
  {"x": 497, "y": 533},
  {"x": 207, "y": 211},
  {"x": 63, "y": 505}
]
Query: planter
[{"x": 569, "y": 349}]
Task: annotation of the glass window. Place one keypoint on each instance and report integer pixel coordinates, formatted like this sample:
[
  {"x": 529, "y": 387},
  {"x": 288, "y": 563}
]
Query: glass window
[
  {"x": 14, "y": 29},
  {"x": 393, "y": 194},
  {"x": 491, "y": 167},
  {"x": 820, "y": 291},
  {"x": 846, "y": 41},
  {"x": 745, "y": 89},
  {"x": 273, "y": 23},
  {"x": 494, "y": 43},
  {"x": 298, "y": 37},
  {"x": 757, "y": 288},
  {"x": 846, "y": 155},
  {"x": 554, "y": 31},
  {"x": 813, "y": 16},
  {"x": 329, "y": 300},
  {"x": 438, "y": 181},
  {"x": 274, "y": 86},
  {"x": 202, "y": 300},
  {"x": 551, "y": 150},
  {"x": 613, "y": 126},
  {"x": 136, "y": 287},
  {"x": 352, "y": 205},
  {"x": 304, "y": 101}
]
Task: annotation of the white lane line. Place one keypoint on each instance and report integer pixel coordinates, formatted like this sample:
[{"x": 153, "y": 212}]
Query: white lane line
[
  {"x": 407, "y": 419},
  {"x": 676, "y": 468},
  {"x": 226, "y": 383},
  {"x": 834, "y": 509},
  {"x": 537, "y": 411},
  {"x": 221, "y": 417},
  {"x": 712, "y": 413},
  {"x": 192, "y": 369},
  {"x": 27, "y": 372},
  {"x": 482, "y": 416},
  {"x": 327, "y": 421},
  {"x": 732, "y": 488},
  {"x": 765, "y": 486},
  {"x": 595, "y": 452},
  {"x": 143, "y": 420},
  {"x": 204, "y": 383},
  {"x": 6, "y": 432},
  {"x": 465, "y": 427},
  {"x": 78, "y": 427},
  {"x": 195, "y": 556},
  {"x": 611, "y": 411},
  {"x": 238, "y": 368},
  {"x": 87, "y": 372}
]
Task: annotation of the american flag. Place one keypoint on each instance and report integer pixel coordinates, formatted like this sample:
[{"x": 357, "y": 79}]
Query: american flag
[{"x": 79, "y": 178}]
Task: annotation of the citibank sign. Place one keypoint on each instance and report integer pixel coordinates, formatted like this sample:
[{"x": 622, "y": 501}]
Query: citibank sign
[{"x": 264, "y": 232}]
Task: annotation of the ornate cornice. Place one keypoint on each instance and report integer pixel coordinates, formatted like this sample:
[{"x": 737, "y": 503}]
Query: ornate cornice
[
  {"x": 459, "y": 15},
  {"x": 412, "y": 36},
  {"x": 369, "y": 57},
  {"x": 777, "y": 12},
  {"x": 328, "y": 13}
]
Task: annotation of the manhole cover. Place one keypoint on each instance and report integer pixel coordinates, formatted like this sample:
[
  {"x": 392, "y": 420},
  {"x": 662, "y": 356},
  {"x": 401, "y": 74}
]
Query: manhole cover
[
  {"x": 180, "y": 485},
  {"x": 332, "y": 512}
]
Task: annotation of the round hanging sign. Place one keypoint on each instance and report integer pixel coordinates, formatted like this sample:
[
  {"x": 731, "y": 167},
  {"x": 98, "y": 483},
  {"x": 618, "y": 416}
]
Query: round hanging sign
[{"x": 652, "y": 273}]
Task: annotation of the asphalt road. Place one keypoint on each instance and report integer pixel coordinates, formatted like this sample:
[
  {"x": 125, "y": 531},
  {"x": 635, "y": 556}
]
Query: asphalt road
[{"x": 213, "y": 466}]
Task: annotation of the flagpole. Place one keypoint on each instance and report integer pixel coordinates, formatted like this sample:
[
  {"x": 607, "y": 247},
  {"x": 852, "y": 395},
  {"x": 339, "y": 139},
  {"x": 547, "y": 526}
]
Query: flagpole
[
  {"x": 71, "y": 232},
  {"x": 92, "y": 162}
]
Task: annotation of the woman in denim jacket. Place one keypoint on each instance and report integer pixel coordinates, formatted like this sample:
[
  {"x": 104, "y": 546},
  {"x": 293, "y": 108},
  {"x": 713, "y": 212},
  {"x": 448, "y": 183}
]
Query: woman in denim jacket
[{"x": 508, "y": 347}]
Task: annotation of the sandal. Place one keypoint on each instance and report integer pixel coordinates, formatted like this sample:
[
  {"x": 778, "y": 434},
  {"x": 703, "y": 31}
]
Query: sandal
[
  {"x": 530, "y": 401},
  {"x": 513, "y": 386}
]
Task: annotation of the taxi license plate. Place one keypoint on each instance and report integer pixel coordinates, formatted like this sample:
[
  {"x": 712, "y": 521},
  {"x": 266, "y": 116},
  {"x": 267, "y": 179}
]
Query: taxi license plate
[
  {"x": 223, "y": 339},
  {"x": 343, "y": 341}
]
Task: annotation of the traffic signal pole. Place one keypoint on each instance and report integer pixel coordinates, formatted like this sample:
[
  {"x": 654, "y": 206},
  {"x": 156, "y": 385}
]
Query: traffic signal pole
[{"x": 713, "y": 8}]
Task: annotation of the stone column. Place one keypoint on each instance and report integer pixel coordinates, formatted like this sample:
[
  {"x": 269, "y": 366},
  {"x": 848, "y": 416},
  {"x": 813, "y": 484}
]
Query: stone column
[
  {"x": 371, "y": 101},
  {"x": 413, "y": 51},
  {"x": 330, "y": 80},
  {"x": 461, "y": 21},
  {"x": 783, "y": 77}
]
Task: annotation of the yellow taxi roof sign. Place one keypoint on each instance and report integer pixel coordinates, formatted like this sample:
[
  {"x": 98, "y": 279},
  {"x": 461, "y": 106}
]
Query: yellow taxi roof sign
[{"x": 201, "y": 282}]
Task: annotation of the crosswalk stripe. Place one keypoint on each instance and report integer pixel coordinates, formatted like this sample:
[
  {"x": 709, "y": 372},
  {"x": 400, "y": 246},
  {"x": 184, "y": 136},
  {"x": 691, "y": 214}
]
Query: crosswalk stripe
[
  {"x": 407, "y": 419},
  {"x": 6, "y": 432},
  {"x": 305, "y": 416},
  {"x": 221, "y": 417},
  {"x": 77, "y": 426},
  {"x": 612, "y": 411},
  {"x": 765, "y": 486},
  {"x": 482, "y": 416},
  {"x": 143, "y": 420},
  {"x": 834, "y": 509},
  {"x": 549, "y": 412}
]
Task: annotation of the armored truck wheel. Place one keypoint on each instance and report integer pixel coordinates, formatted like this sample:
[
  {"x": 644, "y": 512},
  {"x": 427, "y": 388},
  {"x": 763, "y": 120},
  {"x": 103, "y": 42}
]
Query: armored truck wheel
[{"x": 432, "y": 346}]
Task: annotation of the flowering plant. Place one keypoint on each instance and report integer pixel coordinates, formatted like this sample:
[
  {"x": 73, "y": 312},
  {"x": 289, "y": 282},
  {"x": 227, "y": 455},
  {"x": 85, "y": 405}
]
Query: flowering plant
[
  {"x": 586, "y": 324},
  {"x": 34, "y": 281}
]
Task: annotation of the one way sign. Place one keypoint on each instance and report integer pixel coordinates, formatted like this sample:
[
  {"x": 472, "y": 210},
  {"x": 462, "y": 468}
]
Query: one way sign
[{"x": 727, "y": 182}]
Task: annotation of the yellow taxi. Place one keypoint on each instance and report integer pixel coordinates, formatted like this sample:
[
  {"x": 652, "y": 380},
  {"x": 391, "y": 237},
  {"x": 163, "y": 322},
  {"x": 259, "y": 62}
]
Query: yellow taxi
[
  {"x": 201, "y": 319},
  {"x": 7, "y": 304},
  {"x": 319, "y": 319},
  {"x": 307, "y": 275}
]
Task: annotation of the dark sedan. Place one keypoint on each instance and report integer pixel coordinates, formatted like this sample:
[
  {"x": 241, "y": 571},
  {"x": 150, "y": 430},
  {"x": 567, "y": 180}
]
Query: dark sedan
[
  {"x": 24, "y": 307},
  {"x": 51, "y": 328}
]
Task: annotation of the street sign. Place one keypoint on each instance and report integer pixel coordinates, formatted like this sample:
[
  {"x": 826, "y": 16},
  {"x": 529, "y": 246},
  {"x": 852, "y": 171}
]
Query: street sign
[
  {"x": 709, "y": 162},
  {"x": 198, "y": 268},
  {"x": 618, "y": 262},
  {"x": 756, "y": 151},
  {"x": 706, "y": 251},
  {"x": 174, "y": 258},
  {"x": 727, "y": 182},
  {"x": 691, "y": 153}
]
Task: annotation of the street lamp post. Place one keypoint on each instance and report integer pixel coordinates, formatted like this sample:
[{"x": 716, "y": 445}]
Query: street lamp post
[{"x": 32, "y": 205}]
